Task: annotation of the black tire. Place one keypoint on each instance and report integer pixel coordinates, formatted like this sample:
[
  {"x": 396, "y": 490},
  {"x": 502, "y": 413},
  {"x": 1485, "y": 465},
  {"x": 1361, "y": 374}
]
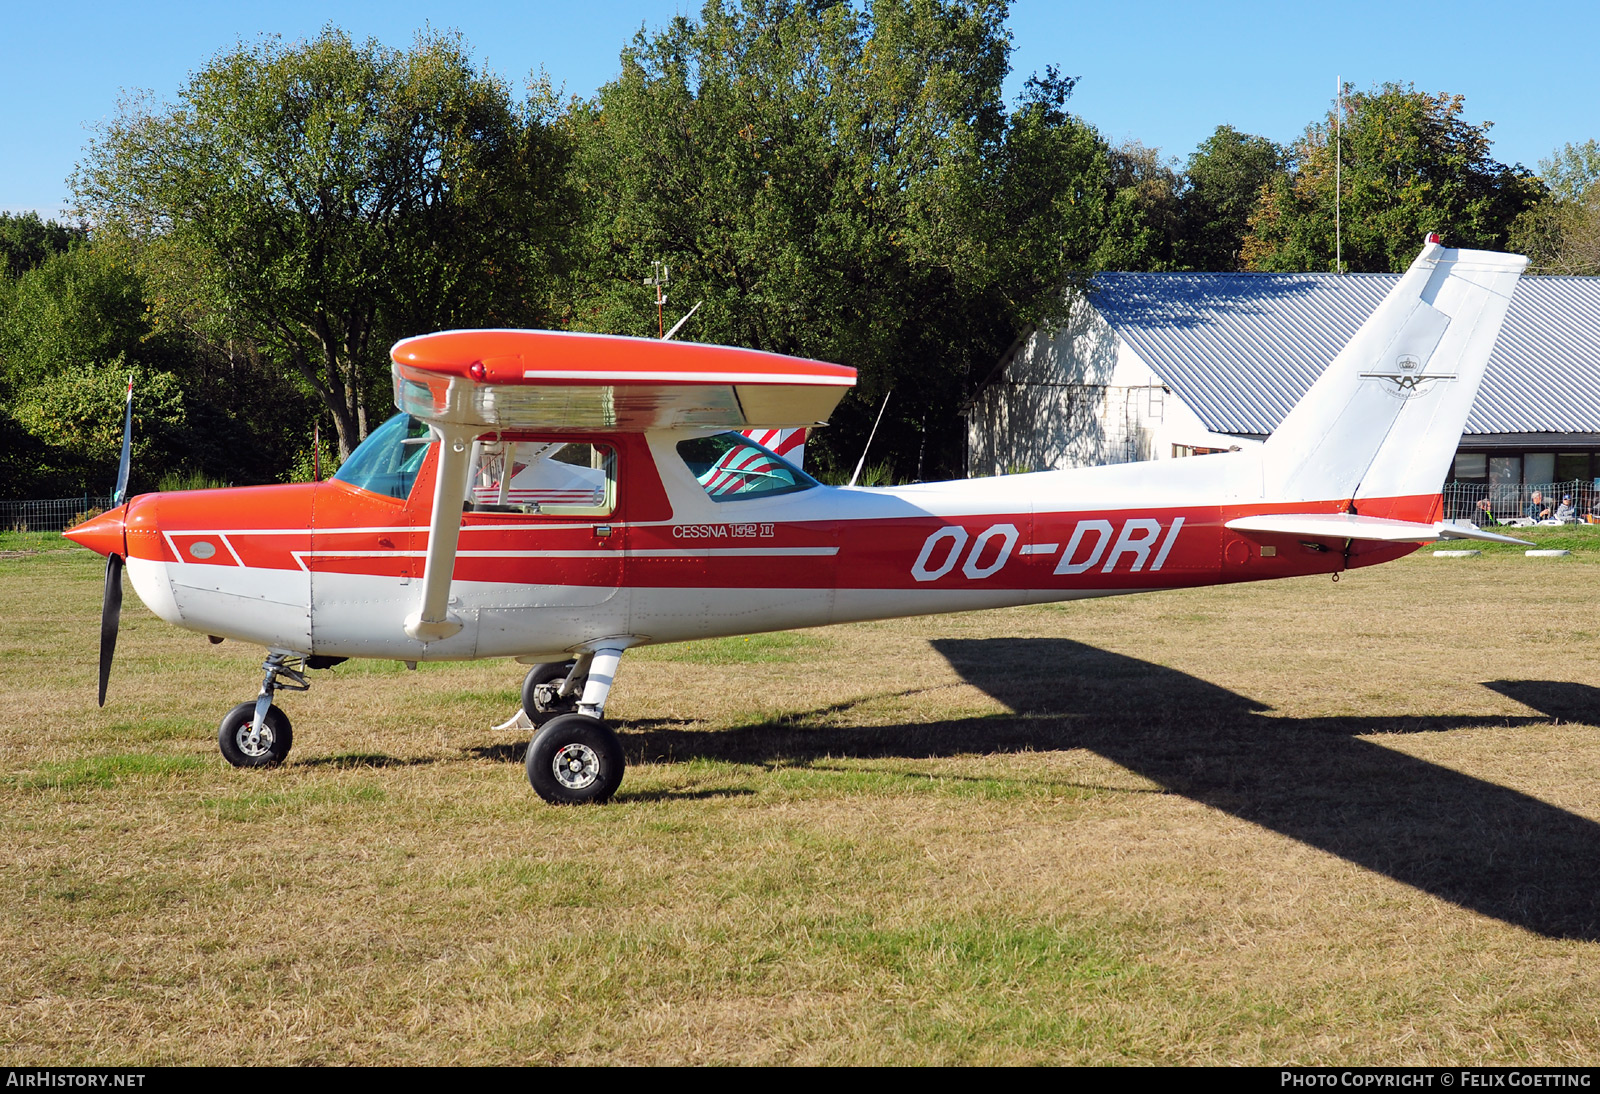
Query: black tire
[
  {"x": 541, "y": 678},
  {"x": 277, "y": 736},
  {"x": 575, "y": 760}
]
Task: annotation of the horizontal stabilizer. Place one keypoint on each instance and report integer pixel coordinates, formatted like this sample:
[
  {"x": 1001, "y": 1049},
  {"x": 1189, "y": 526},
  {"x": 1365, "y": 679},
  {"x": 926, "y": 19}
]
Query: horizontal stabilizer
[
  {"x": 1466, "y": 530},
  {"x": 1354, "y": 526}
]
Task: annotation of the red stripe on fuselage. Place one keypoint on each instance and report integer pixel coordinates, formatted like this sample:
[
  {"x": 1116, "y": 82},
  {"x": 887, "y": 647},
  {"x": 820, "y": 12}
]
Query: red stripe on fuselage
[{"x": 1107, "y": 549}]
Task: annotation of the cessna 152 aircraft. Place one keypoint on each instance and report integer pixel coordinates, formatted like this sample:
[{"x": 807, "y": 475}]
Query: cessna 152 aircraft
[{"x": 560, "y": 498}]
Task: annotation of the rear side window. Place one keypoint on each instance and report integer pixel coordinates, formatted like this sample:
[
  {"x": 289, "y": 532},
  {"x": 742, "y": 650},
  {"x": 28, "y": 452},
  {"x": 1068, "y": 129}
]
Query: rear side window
[{"x": 730, "y": 466}]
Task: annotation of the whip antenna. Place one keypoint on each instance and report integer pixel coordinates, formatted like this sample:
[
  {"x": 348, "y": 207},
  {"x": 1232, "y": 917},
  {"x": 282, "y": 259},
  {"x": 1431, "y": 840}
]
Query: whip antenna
[{"x": 871, "y": 435}]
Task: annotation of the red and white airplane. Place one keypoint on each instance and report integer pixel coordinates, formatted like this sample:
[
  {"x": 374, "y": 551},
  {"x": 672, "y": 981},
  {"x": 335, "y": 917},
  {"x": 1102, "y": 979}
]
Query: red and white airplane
[{"x": 560, "y": 498}]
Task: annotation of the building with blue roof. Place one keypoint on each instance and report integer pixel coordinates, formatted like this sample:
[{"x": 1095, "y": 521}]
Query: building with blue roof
[{"x": 1162, "y": 365}]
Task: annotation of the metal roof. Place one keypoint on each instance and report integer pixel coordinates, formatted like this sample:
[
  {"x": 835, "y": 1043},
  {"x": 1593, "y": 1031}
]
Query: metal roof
[{"x": 1241, "y": 349}]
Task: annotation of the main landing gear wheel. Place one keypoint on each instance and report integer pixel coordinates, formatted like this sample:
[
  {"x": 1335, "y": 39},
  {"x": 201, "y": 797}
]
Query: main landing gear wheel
[
  {"x": 270, "y": 746},
  {"x": 575, "y": 759},
  {"x": 540, "y": 692}
]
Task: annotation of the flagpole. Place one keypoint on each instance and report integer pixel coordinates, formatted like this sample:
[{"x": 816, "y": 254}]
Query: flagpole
[{"x": 1338, "y": 172}]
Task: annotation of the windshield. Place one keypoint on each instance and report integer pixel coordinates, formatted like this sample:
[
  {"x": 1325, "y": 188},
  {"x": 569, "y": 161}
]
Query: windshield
[
  {"x": 388, "y": 460},
  {"x": 730, "y": 467}
]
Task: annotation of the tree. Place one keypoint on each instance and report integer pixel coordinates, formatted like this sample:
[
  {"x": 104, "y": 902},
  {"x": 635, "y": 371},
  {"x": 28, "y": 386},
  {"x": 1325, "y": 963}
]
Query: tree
[
  {"x": 75, "y": 309},
  {"x": 1410, "y": 165},
  {"x": 1572, "y": 170},
  {"x": 846, "y": 183},
  {"x": 71, "y": 331},
  {"x": 79, "y": 417},
  {"x": 1222, "y": 186},
  {"x": 26, "y": 241},
  {"x": 1561, "y": 235},
  {"x": 1142, "y": 210},
  {"x": 318, "y": 201}
]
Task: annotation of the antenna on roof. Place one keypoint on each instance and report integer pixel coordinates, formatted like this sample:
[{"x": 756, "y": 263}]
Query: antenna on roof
[
  {"x": 660, "y": 272},
  {"x": 868, "y": 446}
]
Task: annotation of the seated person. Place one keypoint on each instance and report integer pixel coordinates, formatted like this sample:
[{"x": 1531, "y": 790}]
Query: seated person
[
  {"x": 1536, "y": 509},
  {"x": 1565, "y": 513},
  {"x": 1482, "y": 514}
]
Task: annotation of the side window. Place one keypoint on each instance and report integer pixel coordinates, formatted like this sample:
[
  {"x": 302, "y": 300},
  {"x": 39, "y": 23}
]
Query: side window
[
  {"x": 729, "y": 466},
  {"x": 551, "y": 478}
]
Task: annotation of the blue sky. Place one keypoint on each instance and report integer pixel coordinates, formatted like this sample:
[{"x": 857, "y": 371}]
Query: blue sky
[{"x": 1163, "y": 73}]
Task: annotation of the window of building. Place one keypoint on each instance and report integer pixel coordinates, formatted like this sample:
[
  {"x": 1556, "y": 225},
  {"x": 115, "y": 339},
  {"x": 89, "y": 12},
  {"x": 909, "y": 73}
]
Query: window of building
[
  {"x": 1471, "y": 466},
  {"x": 1539, "y": 467},
  {"x": 1505, "y": 471},
  {"x": 1572, "y": 467}
]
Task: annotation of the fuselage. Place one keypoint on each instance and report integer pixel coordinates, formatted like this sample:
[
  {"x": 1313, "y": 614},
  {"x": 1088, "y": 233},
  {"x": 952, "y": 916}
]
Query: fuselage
[{"x": 333, "y": 569}]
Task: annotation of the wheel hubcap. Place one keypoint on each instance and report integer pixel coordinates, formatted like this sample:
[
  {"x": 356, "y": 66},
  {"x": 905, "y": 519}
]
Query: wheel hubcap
[
  {"x": 263, "y": 741},
  {"x": 576, "y": 766}
]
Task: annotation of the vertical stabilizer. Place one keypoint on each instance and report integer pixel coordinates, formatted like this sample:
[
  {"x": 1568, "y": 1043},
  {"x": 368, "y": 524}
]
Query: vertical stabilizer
[{"x": 1385, "y": 418}]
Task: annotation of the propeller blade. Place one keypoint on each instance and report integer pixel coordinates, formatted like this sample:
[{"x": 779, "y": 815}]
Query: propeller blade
[
  {"x": 121, "y": 494},
  {"x": 110, "y": 618}
]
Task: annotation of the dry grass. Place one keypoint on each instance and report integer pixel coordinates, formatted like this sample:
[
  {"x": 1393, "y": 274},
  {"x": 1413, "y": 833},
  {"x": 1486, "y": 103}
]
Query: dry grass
[{"x": 1295, "y": 822}]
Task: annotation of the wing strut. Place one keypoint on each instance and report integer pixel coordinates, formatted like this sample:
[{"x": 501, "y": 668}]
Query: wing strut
[{"x": 432, "y": 621}]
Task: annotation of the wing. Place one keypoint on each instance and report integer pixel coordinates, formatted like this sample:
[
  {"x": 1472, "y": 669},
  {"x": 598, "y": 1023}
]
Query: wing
[
  {"x": 553, "y": 380},
  {"x": 466, "y": 383}
]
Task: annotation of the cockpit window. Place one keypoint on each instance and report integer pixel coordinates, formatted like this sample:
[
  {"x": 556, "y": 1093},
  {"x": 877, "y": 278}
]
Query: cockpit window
[
  {"x": 388, "y": 460},
  {"x": 552, "y": 478},
  {"x": 730, "y": 466}
]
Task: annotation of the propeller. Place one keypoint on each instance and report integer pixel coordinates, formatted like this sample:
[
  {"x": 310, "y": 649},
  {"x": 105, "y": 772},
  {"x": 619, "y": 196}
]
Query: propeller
[
  {"x": 111, "y": 601},
  {"x": 110, "y": 618}
]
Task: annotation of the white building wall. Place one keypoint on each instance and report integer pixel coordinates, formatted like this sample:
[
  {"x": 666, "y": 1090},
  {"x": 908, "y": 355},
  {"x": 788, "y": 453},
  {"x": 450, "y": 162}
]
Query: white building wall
[{"x": 1078, "y": 396}]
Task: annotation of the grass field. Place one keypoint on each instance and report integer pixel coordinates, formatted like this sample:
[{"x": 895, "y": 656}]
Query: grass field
[{"x": 1292, "y": 822}]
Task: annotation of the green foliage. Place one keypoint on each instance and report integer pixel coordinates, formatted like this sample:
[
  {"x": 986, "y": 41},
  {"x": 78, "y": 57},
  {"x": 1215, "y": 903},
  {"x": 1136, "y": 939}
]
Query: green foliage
[
  {"x": 319, "y": 201},
  {"x": 26, "y": 241},
  {"x": 189, "y": 480},
  {"x": 1410, "y": 165},
  {"x": 842, "y": 183},
  {"x": 71, "y": 330},
  {"x": 1223, "y": 182},
  {"x": 79, "y": 307},
  {"x": 1561, "y": 235},
  {"x": 1143, "y": 225},
  {"x": 313, "y": 462},
  {"x": 78, "y": 415},
  {"x": 1572, "y": 170}
]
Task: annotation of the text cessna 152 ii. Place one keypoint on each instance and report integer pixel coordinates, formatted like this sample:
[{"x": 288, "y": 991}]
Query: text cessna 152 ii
[{"x": 560, "y": 498}]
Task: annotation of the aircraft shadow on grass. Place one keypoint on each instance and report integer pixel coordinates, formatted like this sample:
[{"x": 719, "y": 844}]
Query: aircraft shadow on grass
[{"x": 1484, "y": 847}]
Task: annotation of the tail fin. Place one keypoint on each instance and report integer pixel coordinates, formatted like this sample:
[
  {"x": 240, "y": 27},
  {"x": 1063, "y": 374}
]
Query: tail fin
[{"x": 1385, "y": 418}]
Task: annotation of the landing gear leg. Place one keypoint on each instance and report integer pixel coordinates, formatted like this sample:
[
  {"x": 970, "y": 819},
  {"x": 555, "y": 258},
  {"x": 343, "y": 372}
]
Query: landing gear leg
[
  {"x": 258, "y": 734},
  {"x": 576, "y": 758}
]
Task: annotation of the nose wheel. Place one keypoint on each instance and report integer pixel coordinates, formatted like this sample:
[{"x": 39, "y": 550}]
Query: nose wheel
[
  {"x": 242, "y": 748},
  {"x": 258, "y": 734}
]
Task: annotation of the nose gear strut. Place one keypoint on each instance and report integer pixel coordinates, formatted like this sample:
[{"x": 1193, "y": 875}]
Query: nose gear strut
[{"x": 283, "y": 670}]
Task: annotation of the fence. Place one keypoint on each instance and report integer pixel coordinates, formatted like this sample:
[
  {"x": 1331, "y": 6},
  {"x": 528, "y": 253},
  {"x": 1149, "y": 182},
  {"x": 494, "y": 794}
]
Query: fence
[
  {"x": 1508, "y": 501},
  {"x": 50, "y": 514}
]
